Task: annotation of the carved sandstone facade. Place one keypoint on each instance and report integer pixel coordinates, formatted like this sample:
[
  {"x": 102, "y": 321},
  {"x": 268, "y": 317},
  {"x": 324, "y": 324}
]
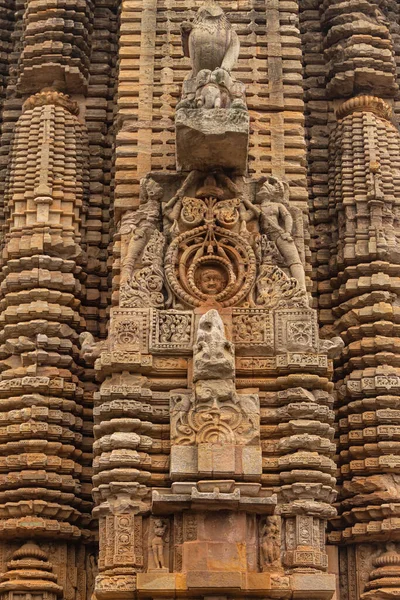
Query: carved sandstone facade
[{"x": 200, "y": 253}]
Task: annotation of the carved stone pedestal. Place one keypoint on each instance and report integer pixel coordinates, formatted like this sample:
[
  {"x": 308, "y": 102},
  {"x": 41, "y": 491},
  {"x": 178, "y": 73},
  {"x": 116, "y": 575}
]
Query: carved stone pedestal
[{"x": 209, "y": 137}]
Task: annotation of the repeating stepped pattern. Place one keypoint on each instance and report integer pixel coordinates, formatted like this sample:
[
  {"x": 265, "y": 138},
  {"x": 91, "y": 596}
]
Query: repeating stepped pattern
[{"x": 199, "y": 283}]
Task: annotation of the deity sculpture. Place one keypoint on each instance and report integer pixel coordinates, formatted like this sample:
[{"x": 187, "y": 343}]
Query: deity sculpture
[
  {"x": 211, "y": 281},
  {"x": 270, "y": 542},
  {"x": 276, "y": 223},
  {"x": 141, "y": 224},
  {"x": 158, "y": 542}
]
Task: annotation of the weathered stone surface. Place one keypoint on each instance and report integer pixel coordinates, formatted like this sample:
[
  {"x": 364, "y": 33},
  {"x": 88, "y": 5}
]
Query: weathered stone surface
[
  {"x": 206, "y": 139},
  {"x": 200, "y": 253}
]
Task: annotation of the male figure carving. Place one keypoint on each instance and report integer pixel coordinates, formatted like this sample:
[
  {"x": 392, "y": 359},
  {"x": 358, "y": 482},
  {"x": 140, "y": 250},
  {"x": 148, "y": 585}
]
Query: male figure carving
[{"x": 277, "y": 223}]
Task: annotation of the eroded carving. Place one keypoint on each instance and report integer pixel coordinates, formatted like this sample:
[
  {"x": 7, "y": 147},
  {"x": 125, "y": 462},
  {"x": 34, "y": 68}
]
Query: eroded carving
[
  {"x": 270, "y": 543},
  {"x": 214, "y": 414},
  {"x": 209, "y": 40},
  {"x": 276, "y": 222},
  {"x": 142, "y": 275},
  {"x": 90, "y": 349},
  {"x": 213, "y": 102}
]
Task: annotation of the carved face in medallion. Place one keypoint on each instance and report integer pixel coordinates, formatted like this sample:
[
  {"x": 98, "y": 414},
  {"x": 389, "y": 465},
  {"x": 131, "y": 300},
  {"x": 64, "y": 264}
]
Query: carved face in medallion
[{"x": 211, "y": 280}]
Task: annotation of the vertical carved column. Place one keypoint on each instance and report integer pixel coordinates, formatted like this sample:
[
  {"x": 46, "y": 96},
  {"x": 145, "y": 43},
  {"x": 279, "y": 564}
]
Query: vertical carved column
[
  {"x": 303, "y": 449},
  {"x": 120, "y": 542},
  {"x": 126, "y": 448},
  {"x": 40, "y": 391},
  {"x": 364, "y": 190},
  {"x": 365, "y": 150},
  {"x": 41, "y": 492}
]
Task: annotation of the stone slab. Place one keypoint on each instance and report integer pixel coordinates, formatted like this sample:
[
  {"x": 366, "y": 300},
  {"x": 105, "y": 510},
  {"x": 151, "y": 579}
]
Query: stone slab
[
  {"x": 209, "y": 138},
  {"x": 313, "y": 585},
  {"x": 214, "y": 580},
  {"x": 166, "y": 582}
]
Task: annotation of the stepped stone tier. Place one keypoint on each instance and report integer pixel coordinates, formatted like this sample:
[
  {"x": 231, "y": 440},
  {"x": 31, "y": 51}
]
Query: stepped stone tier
[{"x": 199, "y": 300}]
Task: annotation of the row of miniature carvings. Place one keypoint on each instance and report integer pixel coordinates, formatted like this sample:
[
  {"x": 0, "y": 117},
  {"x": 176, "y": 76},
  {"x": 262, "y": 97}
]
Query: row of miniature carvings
[{"x": 253, "y": 331}]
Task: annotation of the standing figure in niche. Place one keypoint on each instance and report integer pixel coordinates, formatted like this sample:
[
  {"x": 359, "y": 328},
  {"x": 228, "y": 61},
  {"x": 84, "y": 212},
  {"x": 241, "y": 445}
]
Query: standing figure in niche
[
  {"x": 270, "y": 543},
  {"x": 141, "y": 224},
  {"x": 277, "y": 223},
  {"x": 157, "y": 543}
]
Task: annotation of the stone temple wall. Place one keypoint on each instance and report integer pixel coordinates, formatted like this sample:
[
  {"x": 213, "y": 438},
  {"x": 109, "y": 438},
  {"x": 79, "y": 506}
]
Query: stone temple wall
[{"x": 199, "y": 299}]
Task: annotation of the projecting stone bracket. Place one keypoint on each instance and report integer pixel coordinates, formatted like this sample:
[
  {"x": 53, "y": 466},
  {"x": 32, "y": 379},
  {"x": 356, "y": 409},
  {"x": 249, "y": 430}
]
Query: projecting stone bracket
[
  {"x": 206, "y": 139},
  {"x": 214, "y": 495}
]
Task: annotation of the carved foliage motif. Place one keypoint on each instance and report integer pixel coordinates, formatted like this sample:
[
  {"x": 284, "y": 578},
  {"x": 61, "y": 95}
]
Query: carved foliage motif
[
  {"x": 252, "y": 327},
  {"x": 128, "y": 331},
  {"x": 172, "y": 330},
  {"x": 274, "y": 289},
  {"x": 124, "y": 538},
  {"x": 296, "y": 330},
  {"x": 234, "y": 421},
  {"x": 128, "y": 334},
  {"x": 189, "y": 527}
]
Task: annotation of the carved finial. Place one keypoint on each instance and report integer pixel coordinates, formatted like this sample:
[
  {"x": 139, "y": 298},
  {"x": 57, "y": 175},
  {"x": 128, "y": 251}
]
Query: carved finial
[
  {"x": 30, "y": 550},
  {"x": 29, "y": 570},
  {"x": 384, "y": 580}
]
